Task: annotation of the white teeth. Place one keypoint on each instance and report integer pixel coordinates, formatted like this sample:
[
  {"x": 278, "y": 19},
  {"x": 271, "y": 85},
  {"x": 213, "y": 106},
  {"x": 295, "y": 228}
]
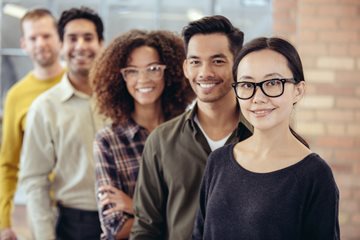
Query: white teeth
[
  {"x": 207, "y": 85},
  {"x": 81, "y": 57},
  {"x": 145, "y": 90},
  {"x": 261, "y": 111}
]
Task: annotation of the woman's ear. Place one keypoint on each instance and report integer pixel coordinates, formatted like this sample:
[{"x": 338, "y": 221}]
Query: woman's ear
[{"x": 299, "y": 91}]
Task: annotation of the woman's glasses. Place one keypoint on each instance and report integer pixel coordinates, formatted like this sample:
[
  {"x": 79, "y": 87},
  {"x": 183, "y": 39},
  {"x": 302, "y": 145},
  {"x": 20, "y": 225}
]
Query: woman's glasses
[
  {"x": 155, "y": 71},
  {"x": 271, "y": 88}
]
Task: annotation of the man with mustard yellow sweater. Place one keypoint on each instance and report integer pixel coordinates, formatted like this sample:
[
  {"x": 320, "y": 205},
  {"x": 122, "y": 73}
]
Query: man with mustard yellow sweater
[{"x": 41, "y": 42}]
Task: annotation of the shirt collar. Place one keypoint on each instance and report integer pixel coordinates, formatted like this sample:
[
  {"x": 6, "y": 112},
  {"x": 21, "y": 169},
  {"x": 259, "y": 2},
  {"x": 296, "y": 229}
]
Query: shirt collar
[
  {"x": 131, "y": 128},
  {"x": 68, "y": 91},
  {"x": 190, "y": 116}
]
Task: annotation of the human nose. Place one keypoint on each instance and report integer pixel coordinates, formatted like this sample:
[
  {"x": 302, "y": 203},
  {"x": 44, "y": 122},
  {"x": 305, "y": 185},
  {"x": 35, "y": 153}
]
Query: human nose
[
  {"x": 80, "y": 43},
  {"x": 205, "y": 71},
  {"x": 259, "y": 95},
  {"x": 40, "y": 41},
  {"x": 142, "y": 75}
]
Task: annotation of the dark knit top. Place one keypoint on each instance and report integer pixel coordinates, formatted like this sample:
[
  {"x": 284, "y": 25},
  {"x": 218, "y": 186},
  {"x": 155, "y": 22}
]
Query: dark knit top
[{"x": 297, "y": 202}]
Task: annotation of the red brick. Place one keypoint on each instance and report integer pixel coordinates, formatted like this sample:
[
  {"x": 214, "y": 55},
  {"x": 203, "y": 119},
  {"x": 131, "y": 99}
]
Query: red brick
[
  {"x": 326, "y": 154},
  {"x": 354, "y": 49},
  {"x": 339, "y": 36},
  {"x": 346, "y": 180},
  {"x": 285, "y": 27},
  {"x": 355, "y": 193},
  {"x": 352, "y": 155},
  {"x": 348, "y": 193},
  {"x": 321, "y": 2},
  {"x": 316, "y": 23},
  {"x": 337, "y": 10},
  {"x": 338, "y": 50},
  {"x": 335, "y": 142},
  {"x": 354, "y": 2},
  {"x": 307, "y": 9},
  {"x": 356, "y": 218},
  {"x": 304, "y": 115},
  {"x": 309, "y": 37},
  {"x": 356, "y": 168},
  {"x": 348, "y": 77},
  {"x": 334, "y": 115},
  {"x": 336, "y": 129},
  {"x": 341, "y": 168},
  {"x": 283, "y": 16},
  {"x": 349, "y": 23},
  {"x": 332, "y": 89},
  {"x": 311, "y": 89},
  {"x": 348, "y": 102},
  {"x": 284, "y": 5},
  {"x": 350, "y": 231},
  {"x": 308, "y": 61}
]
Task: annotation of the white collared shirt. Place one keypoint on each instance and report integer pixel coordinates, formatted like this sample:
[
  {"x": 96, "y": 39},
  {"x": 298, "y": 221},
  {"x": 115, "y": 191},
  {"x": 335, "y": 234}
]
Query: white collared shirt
[{"x": 60, "y": 130}]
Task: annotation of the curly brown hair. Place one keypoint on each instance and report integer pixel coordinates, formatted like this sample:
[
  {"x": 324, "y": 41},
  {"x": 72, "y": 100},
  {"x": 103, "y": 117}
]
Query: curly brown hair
[{"x": 113, "y": 98}]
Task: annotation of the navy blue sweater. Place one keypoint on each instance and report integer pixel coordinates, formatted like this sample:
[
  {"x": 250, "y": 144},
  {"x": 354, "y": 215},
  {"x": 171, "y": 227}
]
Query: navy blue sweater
[{"x": 299, "y": 202}]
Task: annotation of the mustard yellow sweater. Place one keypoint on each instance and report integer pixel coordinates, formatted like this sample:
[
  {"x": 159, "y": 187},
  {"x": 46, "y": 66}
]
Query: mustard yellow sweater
[{"x": 17, "y": 103}]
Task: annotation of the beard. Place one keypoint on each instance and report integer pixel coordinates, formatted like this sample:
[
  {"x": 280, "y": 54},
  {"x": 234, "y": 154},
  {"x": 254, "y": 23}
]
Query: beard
[{"x": 45, "y": 61}]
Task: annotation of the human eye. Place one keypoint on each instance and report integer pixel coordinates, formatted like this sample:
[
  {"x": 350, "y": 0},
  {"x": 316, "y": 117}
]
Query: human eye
[
  {"x": 130, "y": 71},
  {"x": 72, "y": 38},
  {"x": 219, "y": 61},
  {"x": 194, "y": 62},
  {"x": 88, "y": 38},
  {"x": 154, "y": 68},
  {"x": 272, "y": 82},
  {"x": 245, "y": 85}
]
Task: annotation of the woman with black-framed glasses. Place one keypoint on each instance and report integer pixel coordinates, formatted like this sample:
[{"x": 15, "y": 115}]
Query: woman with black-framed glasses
[
  {"x": 271, "y": 185},
  {"x": 139, "y": 84}
]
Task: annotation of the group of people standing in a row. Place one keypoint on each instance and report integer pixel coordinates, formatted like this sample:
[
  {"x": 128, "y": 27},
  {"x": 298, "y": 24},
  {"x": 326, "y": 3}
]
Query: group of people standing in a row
[{"x": 115, "y": 142}]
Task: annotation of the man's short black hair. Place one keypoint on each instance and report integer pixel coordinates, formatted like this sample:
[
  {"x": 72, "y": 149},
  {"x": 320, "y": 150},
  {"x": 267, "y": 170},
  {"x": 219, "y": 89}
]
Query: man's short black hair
[{"x": 80, "y": 13}]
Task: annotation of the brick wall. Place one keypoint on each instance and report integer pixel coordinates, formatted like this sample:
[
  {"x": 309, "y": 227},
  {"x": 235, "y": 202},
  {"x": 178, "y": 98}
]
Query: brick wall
[{"x": 327, "y": 35}]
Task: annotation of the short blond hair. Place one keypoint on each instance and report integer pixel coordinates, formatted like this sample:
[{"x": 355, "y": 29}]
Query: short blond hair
[{"x": 36, "y": 14}]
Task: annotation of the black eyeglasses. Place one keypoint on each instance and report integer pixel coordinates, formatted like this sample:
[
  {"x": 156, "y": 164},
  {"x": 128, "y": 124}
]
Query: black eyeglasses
[{"x": 271, "y": 88}]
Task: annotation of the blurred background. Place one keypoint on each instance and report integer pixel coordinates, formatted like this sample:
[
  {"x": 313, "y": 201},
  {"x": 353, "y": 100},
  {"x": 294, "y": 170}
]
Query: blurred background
[{"x": 326, "y": 33}]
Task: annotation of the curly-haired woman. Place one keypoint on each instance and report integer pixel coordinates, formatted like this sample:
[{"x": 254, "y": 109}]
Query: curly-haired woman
[{"x": 139, "y": 83}]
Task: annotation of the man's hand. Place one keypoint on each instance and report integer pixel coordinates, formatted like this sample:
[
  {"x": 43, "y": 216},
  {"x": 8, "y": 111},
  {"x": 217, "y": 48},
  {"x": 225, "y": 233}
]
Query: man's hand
[
  {"x": 7, "y": 234},
  {"x": 120, "y": 201}
]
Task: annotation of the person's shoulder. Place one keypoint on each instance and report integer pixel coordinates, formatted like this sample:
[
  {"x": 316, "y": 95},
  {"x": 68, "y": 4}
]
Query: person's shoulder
[
  {"x": 47, "y": 102},
  {"x": 51, "y": 95},
  {"x": 315, "y": 169},
  {"x": 165, "y": 130},
  {"x": 221, "y": 153},
  {"x": 17, "y": 90},
  {"x": 317, "y": 163},
  {"x": 110, "y": 132},
  {"x": 104, "y": 132}
]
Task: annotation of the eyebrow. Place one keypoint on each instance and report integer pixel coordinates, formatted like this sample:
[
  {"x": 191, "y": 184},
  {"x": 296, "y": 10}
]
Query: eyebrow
[
  {"x": 80, "y": 34},
  {"x": 273, "y": 75},
  {"x": 269, "y": 75},
  {"x": 220, "y": 55},
  {"x": 245, "y": 78},
  {"x": 152, "y": 63}
]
